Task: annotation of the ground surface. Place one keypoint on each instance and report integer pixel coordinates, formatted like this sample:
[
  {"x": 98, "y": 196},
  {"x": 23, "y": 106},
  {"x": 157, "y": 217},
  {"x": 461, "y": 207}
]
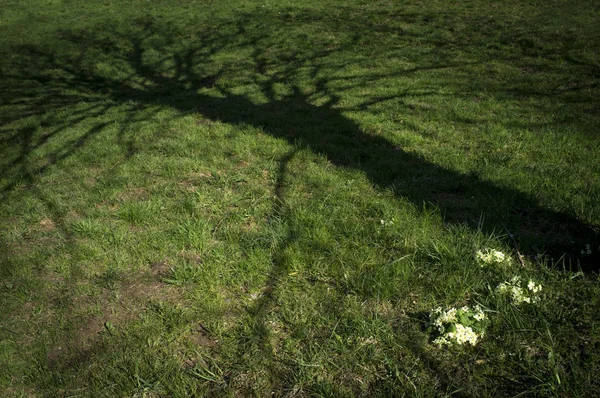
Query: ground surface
[{"x": 213, "y": 198}]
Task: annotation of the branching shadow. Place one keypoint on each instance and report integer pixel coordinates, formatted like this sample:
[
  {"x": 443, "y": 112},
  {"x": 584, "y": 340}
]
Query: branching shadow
[
  {"x": 149, "y": 66},
  {"x": 148, "y": 70}
]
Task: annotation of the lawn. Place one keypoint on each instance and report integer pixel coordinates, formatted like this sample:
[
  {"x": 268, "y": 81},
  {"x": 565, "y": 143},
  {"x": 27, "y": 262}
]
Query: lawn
[{"x": 311, "y": 198}]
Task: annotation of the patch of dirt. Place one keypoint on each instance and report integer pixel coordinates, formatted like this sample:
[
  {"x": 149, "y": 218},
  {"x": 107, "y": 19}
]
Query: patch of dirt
[
  {"x": 383, "y": 308},
  {"x": 107, "y": 207},
  {"x": 94, "y": 170},
  {"x": 189, "y": 187},
  {"x": 87, "y": 333},
  {"x": 195, "y": 347},
  {"x": 200, "y": 336},
  {"x": 134, "y": 193},
  {"x": 200, "y": 174},
  {"x": 16, "y": 389},
  {"x": 250, "y": 225},
  {"x": 191, "y": 182},
  {"x": 90, "y": 182},
  {"x": 72, "y": 216},
  {"x": 28, "y": 243},
  {"x": 160, "y": 269},
  {"x": 191, "y": 256},
  {"x": 115, "y": 308},
  {"x": 47, "y": 224}
]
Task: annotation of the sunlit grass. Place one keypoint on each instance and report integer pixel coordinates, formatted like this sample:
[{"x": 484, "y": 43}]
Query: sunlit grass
[{"x": 238, "y": 198}]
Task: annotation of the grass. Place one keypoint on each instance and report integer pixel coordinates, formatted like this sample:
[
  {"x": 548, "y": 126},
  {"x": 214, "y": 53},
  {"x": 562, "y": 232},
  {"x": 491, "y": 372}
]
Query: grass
[{"x": 246, "y": 198}]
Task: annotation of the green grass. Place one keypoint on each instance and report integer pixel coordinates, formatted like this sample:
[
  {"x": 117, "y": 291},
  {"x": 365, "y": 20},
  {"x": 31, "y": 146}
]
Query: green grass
[{"x": 247, "y": 198}]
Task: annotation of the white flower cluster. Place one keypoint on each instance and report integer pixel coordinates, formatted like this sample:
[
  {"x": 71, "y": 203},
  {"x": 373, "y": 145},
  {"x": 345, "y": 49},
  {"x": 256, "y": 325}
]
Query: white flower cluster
[
  {"x": 491, "y": 256},
  {"x": 457, "y": 326},
  {"x": 462, "y": 335},
  {"x": 535, "y": 288},
  {"x": 521, "y": 295}
]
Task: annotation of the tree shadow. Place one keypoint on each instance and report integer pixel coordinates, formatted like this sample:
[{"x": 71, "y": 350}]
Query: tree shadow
[
  {"x": 158, "y": 72},
  {"x": 178, "y": 79},
  {"x": 149, "y": 68}
]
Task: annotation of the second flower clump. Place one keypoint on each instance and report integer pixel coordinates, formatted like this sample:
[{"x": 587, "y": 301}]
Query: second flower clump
[
  {"x": 519, "y": 294},
  {"x": 491, "y": 256}
]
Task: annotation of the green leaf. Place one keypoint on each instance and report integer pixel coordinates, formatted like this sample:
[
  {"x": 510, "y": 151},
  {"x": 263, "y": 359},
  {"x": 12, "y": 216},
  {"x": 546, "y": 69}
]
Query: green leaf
[
  {"x": 110, "y": 328},
  {"x": 465, "y": 320}
]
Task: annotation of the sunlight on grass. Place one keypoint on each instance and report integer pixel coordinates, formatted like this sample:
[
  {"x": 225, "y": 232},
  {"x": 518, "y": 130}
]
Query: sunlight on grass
[{"x": 317, "y": 198}]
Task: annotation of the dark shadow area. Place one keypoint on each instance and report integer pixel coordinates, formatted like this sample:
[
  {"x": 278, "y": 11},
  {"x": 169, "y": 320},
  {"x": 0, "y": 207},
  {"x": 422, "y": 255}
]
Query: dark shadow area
[{"x": 148, "y": 68}]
